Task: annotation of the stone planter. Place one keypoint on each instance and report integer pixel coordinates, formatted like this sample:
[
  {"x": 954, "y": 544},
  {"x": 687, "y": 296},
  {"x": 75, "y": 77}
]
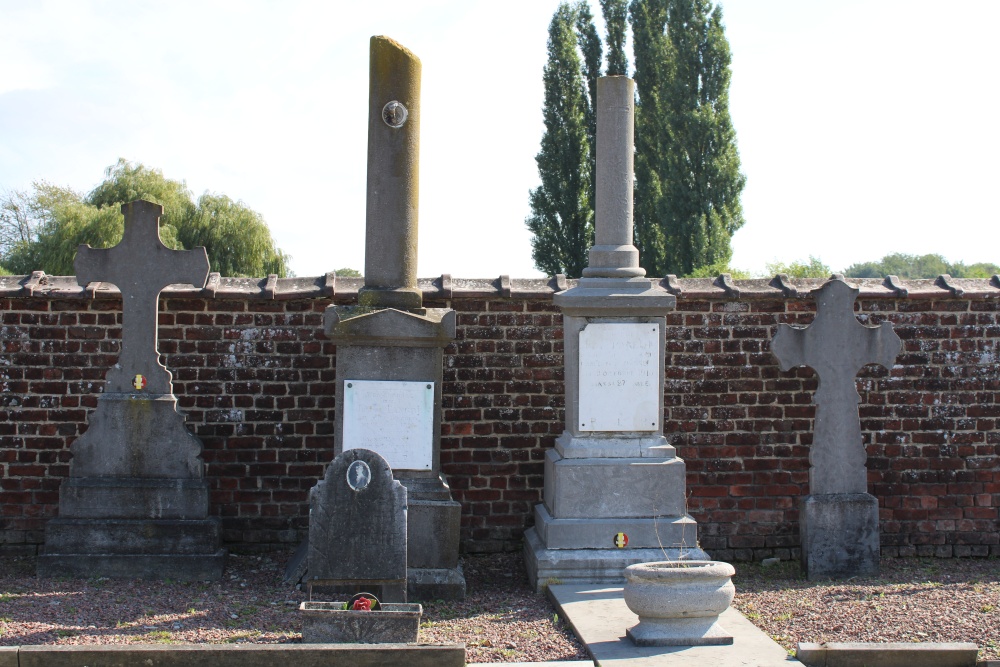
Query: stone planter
[
  {"x": 679, "y": 602},
  {"x": 330, "y": 623}
]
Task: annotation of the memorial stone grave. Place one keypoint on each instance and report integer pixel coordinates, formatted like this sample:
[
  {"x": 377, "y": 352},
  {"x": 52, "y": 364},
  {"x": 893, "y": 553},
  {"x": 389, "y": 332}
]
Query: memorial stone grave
[
  {"x": 357, "y": 527},
  {"x": 614, "y": 488},
  {"x": 390, "y": 349},
  {"x": 838, "y": 520},
  {"x": 136, "y": 500}
]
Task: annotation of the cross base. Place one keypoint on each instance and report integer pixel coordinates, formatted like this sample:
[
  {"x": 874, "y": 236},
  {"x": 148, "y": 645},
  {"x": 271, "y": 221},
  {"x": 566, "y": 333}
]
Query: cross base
[{"x": 839, "y": 535}]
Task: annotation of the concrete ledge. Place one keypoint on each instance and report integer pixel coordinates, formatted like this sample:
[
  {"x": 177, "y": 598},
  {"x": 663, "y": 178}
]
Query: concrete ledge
[
  {"x": 893, "y": 654},
  {"x": 247, "y": 655}
]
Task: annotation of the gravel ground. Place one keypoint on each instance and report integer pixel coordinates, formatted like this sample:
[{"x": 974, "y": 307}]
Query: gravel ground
[
  {"x": 502, "y": 619},
  {"x": 913, "y": 600}
]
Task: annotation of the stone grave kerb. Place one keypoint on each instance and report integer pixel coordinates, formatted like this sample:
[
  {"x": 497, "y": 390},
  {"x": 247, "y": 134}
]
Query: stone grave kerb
[{"x": 838, "y": 519}]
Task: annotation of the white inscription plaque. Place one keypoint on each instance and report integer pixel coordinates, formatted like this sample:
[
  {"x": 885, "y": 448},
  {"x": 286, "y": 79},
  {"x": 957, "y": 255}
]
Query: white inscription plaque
[
  {"x": 619, "y": 387},
  {"x": 394, "y": 419}
]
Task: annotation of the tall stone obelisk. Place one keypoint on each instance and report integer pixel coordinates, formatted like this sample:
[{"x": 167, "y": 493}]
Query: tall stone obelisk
[
  {"x": 614, "y": 488},
  {"x": 389, "y": 348}
]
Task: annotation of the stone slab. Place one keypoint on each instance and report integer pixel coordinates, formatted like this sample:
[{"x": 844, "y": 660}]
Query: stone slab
[
  {"x": 248, "y": 655},
  {"x": 600, "y": 618},
  {"x": 590, "y": 566},
  {"x": 619, "y": 377},
  {"x": 890, "y": 654},
  {"x": 133, "y": 498},
  {"x": 605, "y": 447},
  {"x": 393, "y": 418},
  {"x": 839, "y": 535},
  {"x": 653, "y": 533},
  {"x": 613, "y": 488},
  {"x": 132, "y": 536},
  {"x": 178, "y": 567},
  {"x": 8, "y": 656}
]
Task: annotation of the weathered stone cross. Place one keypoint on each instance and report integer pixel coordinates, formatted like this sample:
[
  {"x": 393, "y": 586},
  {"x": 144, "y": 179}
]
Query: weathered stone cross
[
  {"x": 140, "y": 266},
  {"x": 836, "y": 346}
]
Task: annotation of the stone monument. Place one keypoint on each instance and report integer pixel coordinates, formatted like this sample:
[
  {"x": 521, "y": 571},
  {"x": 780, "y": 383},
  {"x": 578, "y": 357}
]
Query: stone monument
[
  {"x": 390, "y": 348},
  {"x": 136, "y": 501},
  {"x": 614, "y": 489},
  {"x": 357, "y": 526},
  {"x": 838, "y": 520}
]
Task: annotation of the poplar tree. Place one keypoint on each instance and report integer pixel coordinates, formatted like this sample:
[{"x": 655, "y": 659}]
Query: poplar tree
[
  {"x": 615, "y": 14},
  {"x": 688, "y": 180},
  {"x": 562, "y": 209}
]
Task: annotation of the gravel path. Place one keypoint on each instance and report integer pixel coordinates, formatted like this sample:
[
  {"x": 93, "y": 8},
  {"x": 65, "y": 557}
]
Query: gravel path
[{"x": 502, "y": 619}]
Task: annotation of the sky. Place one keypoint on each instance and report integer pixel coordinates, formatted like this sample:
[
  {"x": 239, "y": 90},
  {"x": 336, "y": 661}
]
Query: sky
[{"x": 864, "y": 127}]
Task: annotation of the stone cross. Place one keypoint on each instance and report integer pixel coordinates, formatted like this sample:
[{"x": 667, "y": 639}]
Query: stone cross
[
  {"x": 140, "y": 266},
  {"x": 393, "y": 177},
  {"x": 836, "y": 346}
]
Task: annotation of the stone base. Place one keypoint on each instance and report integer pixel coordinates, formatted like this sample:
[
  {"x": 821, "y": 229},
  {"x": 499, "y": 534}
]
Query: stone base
[
  {"x": 679, "y": 632},
  {"x": 583, "y": 488},
  {"x": 435, "y": 584},
  {"x": 591, "y": 566},
  {"x": 839, "y": 535},
  {"x": 132, "y": 537},
  {"x": 670, "y": 532},
  {"x": 177, "y": 567},
  {"x": 133, "y": 498}
]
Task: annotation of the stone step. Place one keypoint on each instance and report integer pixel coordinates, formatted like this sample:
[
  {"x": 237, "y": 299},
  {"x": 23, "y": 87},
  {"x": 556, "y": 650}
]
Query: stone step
[
  {"x": 177, "y": 567},
  {"x": 890, "y": 654}
]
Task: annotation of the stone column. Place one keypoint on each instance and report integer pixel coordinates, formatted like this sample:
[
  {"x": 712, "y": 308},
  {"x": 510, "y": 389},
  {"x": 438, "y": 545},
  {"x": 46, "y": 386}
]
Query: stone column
[
  {"x": 614, "y": 488},
  {"x": 389, "y": 348}
]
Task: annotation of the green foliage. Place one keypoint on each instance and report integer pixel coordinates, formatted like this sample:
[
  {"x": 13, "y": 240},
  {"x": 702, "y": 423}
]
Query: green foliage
[
  {"x": 59, "y": 220},
  {"x": 615, "y": 16},
  {"x": 922, "y": 266},
  {"x": 562, "y": 213},
  {"x": 814, "y": 268},
  {"x": 717, "y": 269},
  {"x": 348, "y": 273},
  {"x": 236, "y": 238},
  {"x": 688, "y": 179}
]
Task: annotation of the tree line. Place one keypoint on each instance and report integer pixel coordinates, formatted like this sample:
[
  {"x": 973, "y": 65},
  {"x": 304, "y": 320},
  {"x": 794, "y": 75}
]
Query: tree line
[
  {"x": 41, "y": 229},
  {"x": 687, "y": 166}
]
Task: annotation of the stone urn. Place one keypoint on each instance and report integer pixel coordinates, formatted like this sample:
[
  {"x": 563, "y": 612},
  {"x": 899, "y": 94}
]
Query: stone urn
[{"x": 678, "y": 602}]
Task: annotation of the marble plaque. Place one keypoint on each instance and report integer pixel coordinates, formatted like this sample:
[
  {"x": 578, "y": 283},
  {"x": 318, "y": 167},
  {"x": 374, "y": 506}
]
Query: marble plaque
[
  {"x": 619, "y": 383},
  {"x": 394, "y": 419}
]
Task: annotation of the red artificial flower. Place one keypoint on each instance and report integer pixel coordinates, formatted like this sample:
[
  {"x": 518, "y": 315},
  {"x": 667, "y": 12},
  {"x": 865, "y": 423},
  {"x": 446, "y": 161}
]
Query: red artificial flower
[{"x": 362, "y": 604}]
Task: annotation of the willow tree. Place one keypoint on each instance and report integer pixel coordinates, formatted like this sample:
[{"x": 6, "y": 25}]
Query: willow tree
[{"x": 236, "y": 238}]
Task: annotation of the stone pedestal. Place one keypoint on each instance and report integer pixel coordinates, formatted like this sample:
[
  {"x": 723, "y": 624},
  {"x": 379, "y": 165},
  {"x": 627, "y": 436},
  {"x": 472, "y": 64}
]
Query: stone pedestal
[
  {"x": 603, "y": 484},
  {"x": 839, "y": 533},
  {"x": 135, "y": 504}
]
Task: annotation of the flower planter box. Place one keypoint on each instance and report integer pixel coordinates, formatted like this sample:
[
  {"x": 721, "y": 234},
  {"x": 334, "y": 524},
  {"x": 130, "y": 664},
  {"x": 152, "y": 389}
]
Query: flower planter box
[{"x": 330, "y": 623}]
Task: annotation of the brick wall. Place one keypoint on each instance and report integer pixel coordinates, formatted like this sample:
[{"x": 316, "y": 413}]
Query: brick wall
[{"x": 255, "y": 377}]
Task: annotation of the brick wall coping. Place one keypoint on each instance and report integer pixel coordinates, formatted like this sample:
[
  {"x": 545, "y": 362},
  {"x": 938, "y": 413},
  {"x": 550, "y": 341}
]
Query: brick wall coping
[{"x": 39, "y": 284}]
